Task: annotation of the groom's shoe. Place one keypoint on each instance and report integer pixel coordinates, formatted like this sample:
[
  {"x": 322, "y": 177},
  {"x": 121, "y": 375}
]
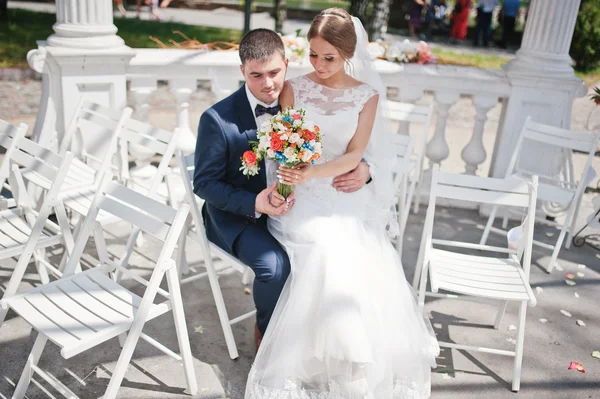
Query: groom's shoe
[{"x": 257, "y": 336}]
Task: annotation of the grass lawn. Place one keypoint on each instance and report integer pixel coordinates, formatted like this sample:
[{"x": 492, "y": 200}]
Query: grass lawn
[{"x": 24, "y": 28}]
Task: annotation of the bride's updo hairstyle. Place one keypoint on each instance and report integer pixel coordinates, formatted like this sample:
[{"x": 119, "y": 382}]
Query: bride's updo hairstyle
[{"x": 335, "y": 26}]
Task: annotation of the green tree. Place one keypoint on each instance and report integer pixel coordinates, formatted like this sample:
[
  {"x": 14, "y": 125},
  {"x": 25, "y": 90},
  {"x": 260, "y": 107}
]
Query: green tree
[
  {"x": 585, "y": 47},
  {"x": 374, "y": 15}
]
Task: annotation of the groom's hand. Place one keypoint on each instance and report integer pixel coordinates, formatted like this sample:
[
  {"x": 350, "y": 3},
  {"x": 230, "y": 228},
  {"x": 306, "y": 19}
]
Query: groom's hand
[
  {"x": 353, "y": 180},
  {"x": 267, "y": 202}
]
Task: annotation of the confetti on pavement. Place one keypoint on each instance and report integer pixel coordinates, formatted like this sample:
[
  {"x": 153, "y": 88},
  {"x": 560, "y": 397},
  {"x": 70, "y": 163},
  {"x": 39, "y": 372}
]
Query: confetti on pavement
[
  {"x": 570, "y": 276},
  {"x": 576, "y": 366},
  {"x": 576, "y": 295},
  {"x": 581, "y": 266},
  {"x": 199, "y": 330},
  {"x": 570, "y": 282},
  {"x": 579, "y": 274},
  {"x": 596, "y": 354},
  {"x": 511, "y": 340},
  {"x": 247, "y": 291},
  {"x": 539, "y": 290},
  {"x": 543, "y": 320},
  {"x": 559, "y": 267},
  {"x": 549, "y": 234},
  {"x": 565, "y": 313},
  {"x": 580, "y": 323},
  {"x": 512, "y": 327}
]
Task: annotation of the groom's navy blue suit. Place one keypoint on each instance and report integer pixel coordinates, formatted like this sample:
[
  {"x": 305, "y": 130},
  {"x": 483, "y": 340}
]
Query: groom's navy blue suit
[{"x": 229, "y": 209}]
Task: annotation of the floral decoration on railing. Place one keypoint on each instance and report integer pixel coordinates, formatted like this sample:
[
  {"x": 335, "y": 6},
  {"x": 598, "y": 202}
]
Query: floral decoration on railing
[
  {"x": 402, "y": 51},
  {"x": 595, "y": 96},
  {"x": 296, "y": 47}
]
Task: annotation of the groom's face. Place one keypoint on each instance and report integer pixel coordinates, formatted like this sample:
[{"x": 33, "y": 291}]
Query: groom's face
[{"x": 265, "y": 78}]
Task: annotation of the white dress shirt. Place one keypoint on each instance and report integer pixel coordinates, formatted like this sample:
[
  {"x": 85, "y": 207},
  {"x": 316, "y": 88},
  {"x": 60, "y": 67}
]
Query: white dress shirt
[
  {"x": 253, "y": 101},
  {"x": 488, "y": 5}
]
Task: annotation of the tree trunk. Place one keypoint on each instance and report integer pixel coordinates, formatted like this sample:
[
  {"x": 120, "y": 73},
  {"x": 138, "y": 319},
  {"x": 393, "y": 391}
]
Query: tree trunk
[
  {"x": 359, "y": 9},
  {"x": 398, "y": 11},
  {"x": 3, "y": 10},
  {"x": 379, "y": 20},
  {"x": 247, "y": 12},
  {"x": 280, "y": 15}
]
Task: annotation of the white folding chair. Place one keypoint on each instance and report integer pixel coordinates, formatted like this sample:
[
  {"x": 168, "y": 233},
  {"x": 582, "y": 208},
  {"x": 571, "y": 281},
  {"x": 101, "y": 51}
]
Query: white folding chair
[
  {"x": 9, "y": 135},
  {"x": 402, "y": 181},
  {"x": 83, "y": 310},
  {"x": 408, "y": 114},
  {"x": 197, "y": 233},
  {"x": 560, "y": 191},
  {"x": 87, "y": 169},
  {"x": 480, "y": 278},
  {"x": 25, "y": 232},
  {"x": 131, "y": 133}
]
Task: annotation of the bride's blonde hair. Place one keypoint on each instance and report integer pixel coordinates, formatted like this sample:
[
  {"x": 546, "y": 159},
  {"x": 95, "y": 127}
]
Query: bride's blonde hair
[{"x": 335, "y": 26}]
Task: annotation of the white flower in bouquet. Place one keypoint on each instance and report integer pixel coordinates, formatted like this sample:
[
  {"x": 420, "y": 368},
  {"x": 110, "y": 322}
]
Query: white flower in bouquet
[
  {"x": 318, "y": 148},
  {"x": 294, "y": 138},
  {"x": 271, "y": 153},
  {"x": 284, "y": 137},
  {"x": 297, "y": 123},
  {"x": 290, "y": 154},
  {"x": 306, "y": 155}
]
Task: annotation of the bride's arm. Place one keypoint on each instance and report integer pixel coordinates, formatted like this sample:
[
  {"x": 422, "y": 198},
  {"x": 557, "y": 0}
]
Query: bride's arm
[{"x": 347, "y": 162}]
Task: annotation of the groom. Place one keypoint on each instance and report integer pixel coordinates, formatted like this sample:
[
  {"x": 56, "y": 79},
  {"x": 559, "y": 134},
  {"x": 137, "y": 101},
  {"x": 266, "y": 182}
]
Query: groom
[{"x": 236, "y": 207}]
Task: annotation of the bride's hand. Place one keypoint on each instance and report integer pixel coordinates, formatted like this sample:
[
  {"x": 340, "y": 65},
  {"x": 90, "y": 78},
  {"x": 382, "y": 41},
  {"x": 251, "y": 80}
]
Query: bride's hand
[{"x": 295, "y": 175}]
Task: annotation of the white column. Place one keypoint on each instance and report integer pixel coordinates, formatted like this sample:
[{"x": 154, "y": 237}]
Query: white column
[
  {"x": 474, "y": 152},
  {"x": 543, "y": 84},
  {"x": 85, "y": 24},
  {"x": 84, "y": 58}
]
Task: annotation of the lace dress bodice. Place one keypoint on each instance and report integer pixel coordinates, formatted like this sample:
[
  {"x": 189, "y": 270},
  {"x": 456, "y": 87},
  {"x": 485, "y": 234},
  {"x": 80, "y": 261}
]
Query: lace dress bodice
[{"x": 336, "y": 112}]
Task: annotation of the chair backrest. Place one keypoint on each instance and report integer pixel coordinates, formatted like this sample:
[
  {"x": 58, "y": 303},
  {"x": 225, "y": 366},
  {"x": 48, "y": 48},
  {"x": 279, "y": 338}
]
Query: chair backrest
[
  {"x": 484, "y": 190},
  {"x": 93, "y": 133},
  {"x": 9, "y": 136},
  {"x": 552, "y": 161},
  {"x": 404, "y": 149},
  {"x": 187, "y": 167},
  {"x": 142, "y": 212},
  {"x": 147, "y": 139},
  {"x": 407, "y": 113}
]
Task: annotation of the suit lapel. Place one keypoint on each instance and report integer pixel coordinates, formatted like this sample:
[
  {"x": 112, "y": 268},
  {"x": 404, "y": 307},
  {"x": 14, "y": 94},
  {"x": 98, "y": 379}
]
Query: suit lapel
[{"x": 247, "y": 123}]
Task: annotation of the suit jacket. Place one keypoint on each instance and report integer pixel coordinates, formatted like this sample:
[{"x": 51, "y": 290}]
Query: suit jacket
[{"x": 223, "y": 135}]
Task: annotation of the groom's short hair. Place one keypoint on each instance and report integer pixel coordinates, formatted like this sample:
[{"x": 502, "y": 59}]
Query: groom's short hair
[{"x": 260, "y": 44}]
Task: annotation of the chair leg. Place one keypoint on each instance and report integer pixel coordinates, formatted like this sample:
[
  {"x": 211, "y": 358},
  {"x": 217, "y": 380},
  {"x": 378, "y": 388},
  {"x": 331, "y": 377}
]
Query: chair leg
[
  {"x": 133, "y": 337},
  {"x": 516, "y": 383},
  {"x": 181, "y": 330},
  {"x": 248, "y": 276},
  {"x": 38, "y": 255},
  {"x": 221, "y": 309},
  {"x": 500, "y": 314},
  {"x": 505, "y": 221},
  {"x": 32, "y": 360},
  {"x": 557, "y": 248},
  {"x": 488, "y": 226},
  {"x": 181, "y": 259},
  {"x": 15, "y": 280}
]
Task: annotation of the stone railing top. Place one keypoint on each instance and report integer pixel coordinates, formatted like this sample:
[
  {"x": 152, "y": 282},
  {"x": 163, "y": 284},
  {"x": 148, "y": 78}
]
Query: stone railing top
[{"x": 178, "y": 63}]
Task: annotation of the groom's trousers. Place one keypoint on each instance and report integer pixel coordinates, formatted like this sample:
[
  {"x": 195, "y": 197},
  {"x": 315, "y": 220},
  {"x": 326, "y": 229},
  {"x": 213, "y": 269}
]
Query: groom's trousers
[{"x": 257, "y": 248}]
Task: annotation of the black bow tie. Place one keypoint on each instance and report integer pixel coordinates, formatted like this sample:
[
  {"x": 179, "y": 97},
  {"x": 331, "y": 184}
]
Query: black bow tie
[{"x": 261, "y": 110}]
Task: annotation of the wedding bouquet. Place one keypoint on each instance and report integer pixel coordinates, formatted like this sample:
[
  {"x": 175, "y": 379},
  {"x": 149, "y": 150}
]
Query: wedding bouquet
[{"x": 288, "y": 139}]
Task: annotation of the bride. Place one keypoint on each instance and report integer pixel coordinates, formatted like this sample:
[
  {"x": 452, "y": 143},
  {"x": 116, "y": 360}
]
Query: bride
[{"x": 346, "y": 325}]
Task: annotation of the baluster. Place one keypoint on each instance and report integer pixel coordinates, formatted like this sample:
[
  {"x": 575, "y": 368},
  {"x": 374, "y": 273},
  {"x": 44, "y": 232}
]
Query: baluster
[
  {"x": 183, "y": 88},
  {"x": 408, "y": 95},
  {"x": 437, "y": 149},
  {"x": 474, "y": 152},
  {"x": 143, "y": 172}
]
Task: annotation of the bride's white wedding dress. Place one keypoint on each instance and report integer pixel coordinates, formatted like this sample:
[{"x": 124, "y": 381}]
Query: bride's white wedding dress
[{"x": 346, "y": 325}]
